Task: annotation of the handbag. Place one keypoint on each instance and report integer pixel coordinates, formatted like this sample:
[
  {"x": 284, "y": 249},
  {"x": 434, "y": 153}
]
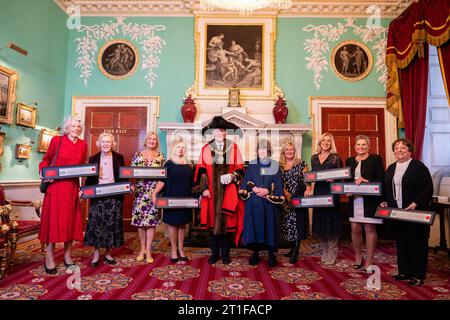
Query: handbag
[{"x": 44, "y": 184}]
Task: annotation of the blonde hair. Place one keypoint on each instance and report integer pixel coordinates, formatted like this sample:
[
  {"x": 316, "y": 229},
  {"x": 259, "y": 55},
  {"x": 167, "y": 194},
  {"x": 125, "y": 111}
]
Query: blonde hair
[
  {"x": 363, "y": 137},
  {"x": 148, "y": 135},
  {"x": 68, "y": 122},
  {"x": 103, "y": 135},
  {"x": 174, "y": 144},
  {"x": 283, "y": 161},
  {"x": 333, "y": 144}
]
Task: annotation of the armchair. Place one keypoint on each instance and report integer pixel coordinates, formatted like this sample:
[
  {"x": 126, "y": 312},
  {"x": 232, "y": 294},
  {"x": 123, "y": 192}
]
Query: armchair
[{"x": 16, "y": 228}]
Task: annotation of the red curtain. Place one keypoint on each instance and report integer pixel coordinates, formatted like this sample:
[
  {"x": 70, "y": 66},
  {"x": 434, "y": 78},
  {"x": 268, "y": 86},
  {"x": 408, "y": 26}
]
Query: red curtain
[
  {"x": 444, "y": 61},
  {"x": 413, "y": 92},
  {"x": 424, "y": 22}
]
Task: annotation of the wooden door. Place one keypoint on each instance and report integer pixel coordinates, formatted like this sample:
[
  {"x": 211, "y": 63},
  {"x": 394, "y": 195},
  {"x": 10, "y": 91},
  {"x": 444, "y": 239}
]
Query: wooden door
[
  {"x": 129, "y": 126},
  {"x": 345, "y": 124}
]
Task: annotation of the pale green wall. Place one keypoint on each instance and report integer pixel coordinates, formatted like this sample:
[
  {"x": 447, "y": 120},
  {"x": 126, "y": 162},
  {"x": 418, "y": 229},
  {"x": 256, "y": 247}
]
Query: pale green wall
[
  {"x": 39, "y": 27},
  {"x": 297, "y": 82},
  {"x": 177, "y": 67},
  {"x": 175, "y": 74}
]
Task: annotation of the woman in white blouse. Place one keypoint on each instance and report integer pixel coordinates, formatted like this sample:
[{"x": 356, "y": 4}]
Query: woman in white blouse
[{"x": 408, "y": 185}]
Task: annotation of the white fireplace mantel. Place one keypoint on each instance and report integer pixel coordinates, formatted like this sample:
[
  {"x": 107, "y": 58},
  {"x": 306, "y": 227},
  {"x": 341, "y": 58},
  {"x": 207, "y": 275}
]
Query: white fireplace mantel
[{"x": 277, "y": 134}]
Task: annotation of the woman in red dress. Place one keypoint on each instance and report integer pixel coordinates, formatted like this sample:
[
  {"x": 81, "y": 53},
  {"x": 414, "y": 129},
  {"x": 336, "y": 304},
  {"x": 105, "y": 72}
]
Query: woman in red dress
[{"x": 61, "y": 211}]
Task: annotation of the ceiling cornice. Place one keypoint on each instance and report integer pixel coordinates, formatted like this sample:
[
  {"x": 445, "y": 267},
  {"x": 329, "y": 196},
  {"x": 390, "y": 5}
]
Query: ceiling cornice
[{"x": 300, "y": 8}]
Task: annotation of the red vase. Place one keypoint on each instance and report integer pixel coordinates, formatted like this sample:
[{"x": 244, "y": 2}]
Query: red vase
[
  {"x": 188, "y": 110},
  {"x": 280, "y": 111}
]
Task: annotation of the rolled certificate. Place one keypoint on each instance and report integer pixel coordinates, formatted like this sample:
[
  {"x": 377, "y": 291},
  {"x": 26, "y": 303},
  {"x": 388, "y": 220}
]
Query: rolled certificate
[
  {"x": 177, "y": 203},
  {"x": 65, "y": 172},
  {"x": 104, "y": 190},
  {"x": 142, "y": 172},
  {"x": 417, "y": 216},
  {"x": 313, "y": 202},
  {"x": 368, "y": 189},
  {"x": 339, "y": 173}
]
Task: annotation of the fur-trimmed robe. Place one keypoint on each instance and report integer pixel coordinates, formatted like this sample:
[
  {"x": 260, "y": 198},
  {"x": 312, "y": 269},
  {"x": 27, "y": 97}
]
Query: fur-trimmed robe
[{"x": 223, "y": 212}]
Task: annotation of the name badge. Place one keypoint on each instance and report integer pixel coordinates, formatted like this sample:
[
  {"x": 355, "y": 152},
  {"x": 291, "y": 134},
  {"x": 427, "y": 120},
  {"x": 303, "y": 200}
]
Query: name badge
[
  {"x": 65, "y": 172},
  {"x": 104, "y": 190},
  {"x": 313, "y": 202},
  {"x": 144, "y": 173},
  {"x": 417, "y": 216},
  {"x": 368, "y": 189},
  {"x": 177, "y": 203},
  {"x": 322, "y": 175}
]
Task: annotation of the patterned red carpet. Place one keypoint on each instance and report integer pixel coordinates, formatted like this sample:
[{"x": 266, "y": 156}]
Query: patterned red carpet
[{"x": 197, "y": 280}]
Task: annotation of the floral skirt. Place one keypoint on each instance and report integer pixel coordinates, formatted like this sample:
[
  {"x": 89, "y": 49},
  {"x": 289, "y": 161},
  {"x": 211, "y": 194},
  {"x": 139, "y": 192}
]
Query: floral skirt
[{"x": 105, "y": 223}]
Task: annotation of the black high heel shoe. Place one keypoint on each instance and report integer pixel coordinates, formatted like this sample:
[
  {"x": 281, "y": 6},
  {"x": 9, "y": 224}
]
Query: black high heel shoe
[
  {"x": 49, "y": 271},
  {"x": 174, "y": 260},
  {"x": 358, "y": 266},
  {"x": 68, "y": 264},
  {"x": 181, "y": 257},
  {"x": 95, "y": 264},
  {"x": 110, "y": 262}
]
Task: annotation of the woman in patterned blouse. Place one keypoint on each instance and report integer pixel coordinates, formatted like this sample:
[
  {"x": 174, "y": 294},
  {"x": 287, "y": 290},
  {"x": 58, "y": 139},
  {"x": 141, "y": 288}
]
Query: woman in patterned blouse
[{"x": 145, "y": 215}]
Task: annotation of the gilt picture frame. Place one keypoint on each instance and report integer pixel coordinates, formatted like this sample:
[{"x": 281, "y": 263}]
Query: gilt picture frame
[
  {"x": 232, "y": 52},
  {"x": 351, "y": 60},
  {"x": 26, "y": 115},
  {"x": 118, "y": 59},
  {"x": 45, "y": 136},
  {"x": 23, "y": 151},
  {"x": 8, "y": 80}
]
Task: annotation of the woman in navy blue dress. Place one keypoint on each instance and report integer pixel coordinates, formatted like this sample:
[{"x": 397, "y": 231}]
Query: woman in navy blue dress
[
  {"x": 262, "y": 189},
  {"x": 179, "y": 183}
]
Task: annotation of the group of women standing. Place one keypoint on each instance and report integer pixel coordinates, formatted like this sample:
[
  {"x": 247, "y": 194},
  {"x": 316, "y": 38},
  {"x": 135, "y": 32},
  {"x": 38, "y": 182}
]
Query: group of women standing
[
  {"x": 61, "y": 219},
  {"x": 268, "y": 216}
]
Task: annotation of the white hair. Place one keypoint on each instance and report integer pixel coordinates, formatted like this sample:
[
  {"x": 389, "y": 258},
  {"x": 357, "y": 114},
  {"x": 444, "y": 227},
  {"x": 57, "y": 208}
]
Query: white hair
[
  {"x": 68, "y": 122},
  {"x": 103, "y": 135}
]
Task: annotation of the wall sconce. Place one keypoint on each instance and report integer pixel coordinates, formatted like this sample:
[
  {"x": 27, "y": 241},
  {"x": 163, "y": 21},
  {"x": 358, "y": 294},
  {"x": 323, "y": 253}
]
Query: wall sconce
[{"x": 15, "y": 47}]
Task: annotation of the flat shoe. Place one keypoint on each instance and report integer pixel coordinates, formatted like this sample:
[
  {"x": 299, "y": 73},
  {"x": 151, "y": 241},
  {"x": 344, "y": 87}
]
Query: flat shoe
[
  {"x": 401, "y": 277},
  {"x": 415, "y": 282},
  {"x": 140, "y": 258},
  {"x": 149, "y": 260}
]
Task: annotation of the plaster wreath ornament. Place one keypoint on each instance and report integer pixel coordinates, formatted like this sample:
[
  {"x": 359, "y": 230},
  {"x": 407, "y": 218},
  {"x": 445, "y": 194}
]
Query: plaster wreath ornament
[
  {"x": 319, "y": 46},
  {"x": 146, "y": 35}
]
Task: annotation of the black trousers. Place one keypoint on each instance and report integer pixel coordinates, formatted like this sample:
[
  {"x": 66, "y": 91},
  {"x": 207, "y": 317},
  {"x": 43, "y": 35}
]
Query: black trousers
[
  {"x": 220, "y": 244},
  {"x": 412, "y": 248}
]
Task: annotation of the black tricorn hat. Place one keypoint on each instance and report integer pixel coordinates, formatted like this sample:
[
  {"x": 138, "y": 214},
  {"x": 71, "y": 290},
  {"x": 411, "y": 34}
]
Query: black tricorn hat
[{"x": 220, "y": 123}]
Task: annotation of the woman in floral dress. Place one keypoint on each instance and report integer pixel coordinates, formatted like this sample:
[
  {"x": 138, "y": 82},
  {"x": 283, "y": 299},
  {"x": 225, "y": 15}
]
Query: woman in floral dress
[
  {"x": 294, "y": 222},
  {"x": 145, "y": 216}
]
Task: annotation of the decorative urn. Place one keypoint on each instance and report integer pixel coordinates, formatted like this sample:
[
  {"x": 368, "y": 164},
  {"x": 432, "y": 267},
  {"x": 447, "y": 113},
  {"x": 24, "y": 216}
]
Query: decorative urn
[
  {"x": 280, "y": 111},
  {"x": 188, "y": 110}
]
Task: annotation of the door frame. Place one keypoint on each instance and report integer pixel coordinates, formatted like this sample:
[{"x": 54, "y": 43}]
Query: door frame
[
  {"x": 80, "y": 103},
  {"x": 316, "y": 103}
]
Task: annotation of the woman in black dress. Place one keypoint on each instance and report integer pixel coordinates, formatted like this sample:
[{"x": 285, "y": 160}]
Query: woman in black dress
[
  {"x": 365, "y": 167},
  {"x": 326, "y": 224},
  {"x": 179, "y": 183},
  {"x": 105, "y": 224},
  {"x": 408, "y": 185},
  {"x": 294, "y": 221}
]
